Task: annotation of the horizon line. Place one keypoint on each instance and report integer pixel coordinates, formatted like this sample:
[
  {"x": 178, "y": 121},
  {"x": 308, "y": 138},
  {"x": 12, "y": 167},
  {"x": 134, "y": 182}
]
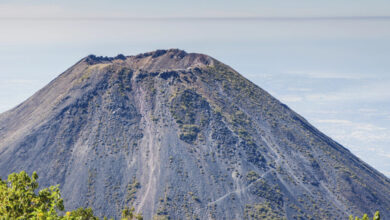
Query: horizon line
[{"x": 201, "y": 18}]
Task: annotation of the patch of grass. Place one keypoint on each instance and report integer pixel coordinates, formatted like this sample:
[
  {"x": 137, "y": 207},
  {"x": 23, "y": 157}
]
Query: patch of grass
[
  {"x": 132, "y": 189},
  {"x": 262, "y": 211},
  {"x": 191, "y": 112},
  {"x": 189, "y": 132},
  {"x": 252, "y": 176}
]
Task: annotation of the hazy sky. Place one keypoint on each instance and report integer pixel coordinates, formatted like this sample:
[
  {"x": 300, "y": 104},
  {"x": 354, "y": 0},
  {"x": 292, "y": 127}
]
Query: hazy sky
[
  {"x": 198, "y": 8},
  {"x": 334, "y": 71}
]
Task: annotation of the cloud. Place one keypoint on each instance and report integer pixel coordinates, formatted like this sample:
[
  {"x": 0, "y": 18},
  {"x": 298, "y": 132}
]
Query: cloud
[
  {"x": 322, "y": 111},
  {"x": 357, "y": 88},
  {"x": 369, "y": 92},
  {"x": 291, "y": 98},
  {"x": 334, "y": 121},
  {"x": 368, "y": 110},
  {"x": 352, "y": 125},
  {"x": 373, "y": 112},
  {"x": 355, "y": 132},
  {"x": 294, "y": 89},
  {"x": 329, "y": 75}
]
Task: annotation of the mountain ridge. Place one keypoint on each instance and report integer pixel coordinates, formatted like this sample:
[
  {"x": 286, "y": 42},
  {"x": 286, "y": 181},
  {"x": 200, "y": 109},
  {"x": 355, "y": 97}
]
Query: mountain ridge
[{"x": 183, "y": 135}]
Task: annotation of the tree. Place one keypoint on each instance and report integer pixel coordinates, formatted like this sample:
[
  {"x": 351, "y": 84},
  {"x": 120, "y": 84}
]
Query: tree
[
  {"x": 82, "y": 214},
  {"x": 129, "y": 214},
  {"x": 365, "y": 217},
  {"x": 18, "y": 200},
  {"x": 377, "y": 216}
]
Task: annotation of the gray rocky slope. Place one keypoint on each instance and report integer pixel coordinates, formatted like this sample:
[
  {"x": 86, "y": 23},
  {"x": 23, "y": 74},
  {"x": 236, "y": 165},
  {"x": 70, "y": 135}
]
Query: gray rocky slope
[{"x": 185, "y": 136}]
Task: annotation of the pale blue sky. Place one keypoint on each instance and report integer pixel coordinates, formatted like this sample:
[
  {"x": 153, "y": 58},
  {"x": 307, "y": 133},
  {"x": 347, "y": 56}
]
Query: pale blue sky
[
  {"x": 198, "y": 8},
  {"x": 334, "y": 71}
]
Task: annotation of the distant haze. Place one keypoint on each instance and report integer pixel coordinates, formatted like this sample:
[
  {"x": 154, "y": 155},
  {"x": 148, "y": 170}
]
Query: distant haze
[{"x": 200, "y": 8}]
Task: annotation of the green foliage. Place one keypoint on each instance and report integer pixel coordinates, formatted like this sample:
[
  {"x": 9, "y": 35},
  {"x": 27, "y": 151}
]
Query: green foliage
[
  {"x": 365, "y": 217},
  {"x": 81, "y": 214},
  {"x": 189, "y": 132},
  {"x": 19, "y": 200},
  {"x": 130, "y": 214},
  {"x": 270, "y": 192},
  {"x": 377, "y": 216},
  {"x": 160, "y": 217},
  {"x": 262, "y": 211},
  {"x": 252, "y": 176},
  {"x": 190, "y": 110},
  {"x": 132, "y": 190},
  {"x": 241, "y": 122}
]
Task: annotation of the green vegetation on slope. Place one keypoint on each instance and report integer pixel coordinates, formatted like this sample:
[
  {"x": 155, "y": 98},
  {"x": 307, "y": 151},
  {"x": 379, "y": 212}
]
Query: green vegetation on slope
[
  {"x": 19, "y": 200},
  {"x": 262, "y": 211},
  {"x": 365, "y": 217},
  {"x": 184, "y": 109}
]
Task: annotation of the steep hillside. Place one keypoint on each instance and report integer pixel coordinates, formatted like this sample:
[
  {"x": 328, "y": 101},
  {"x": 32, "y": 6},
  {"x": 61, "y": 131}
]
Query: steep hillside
[{"x": 182, "y": 135}]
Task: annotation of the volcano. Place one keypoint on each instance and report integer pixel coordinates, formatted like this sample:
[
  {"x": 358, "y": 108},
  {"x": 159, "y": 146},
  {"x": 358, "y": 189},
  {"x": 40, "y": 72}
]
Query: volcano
[{"x": 184, "y": 136}]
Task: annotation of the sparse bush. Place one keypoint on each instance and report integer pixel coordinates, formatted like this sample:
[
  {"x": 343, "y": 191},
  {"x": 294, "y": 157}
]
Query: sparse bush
[{"x": 365, "y": 217}]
